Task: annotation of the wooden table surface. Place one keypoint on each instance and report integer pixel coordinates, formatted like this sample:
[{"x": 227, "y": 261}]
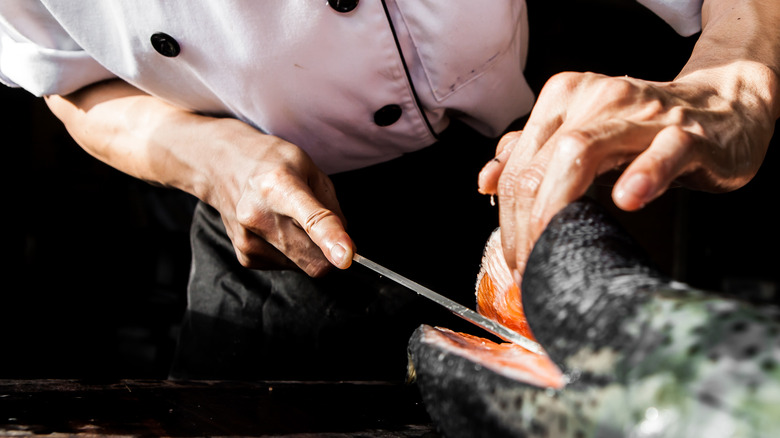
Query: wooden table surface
[{"x": 167, "y": 408}]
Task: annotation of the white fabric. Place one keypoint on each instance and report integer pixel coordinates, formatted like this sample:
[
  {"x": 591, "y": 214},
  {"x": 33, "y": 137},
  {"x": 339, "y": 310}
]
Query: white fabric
[
  {"x": 294, "y": 68},
  {"x": 684, "y": 16},
  {"x": 38, "y": 55}
]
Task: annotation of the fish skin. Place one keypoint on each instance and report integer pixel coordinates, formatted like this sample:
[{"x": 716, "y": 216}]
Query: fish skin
[
  {"x": 644, "y": 356},
  {"x": 585, "y": 271},
  {"x": 467, "y": 400},
  {"x": 698, "y": 358}
]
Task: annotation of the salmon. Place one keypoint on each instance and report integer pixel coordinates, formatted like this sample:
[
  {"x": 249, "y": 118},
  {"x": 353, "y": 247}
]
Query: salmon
[
  {"x": 507, "y": 359},
  {"x": 629, "y": 351},
  {"x": 498, "y": 296}
]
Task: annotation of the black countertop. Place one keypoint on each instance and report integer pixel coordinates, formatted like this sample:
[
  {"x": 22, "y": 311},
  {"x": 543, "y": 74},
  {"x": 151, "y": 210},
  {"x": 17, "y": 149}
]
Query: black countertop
[{"x": 210, "y": 408}]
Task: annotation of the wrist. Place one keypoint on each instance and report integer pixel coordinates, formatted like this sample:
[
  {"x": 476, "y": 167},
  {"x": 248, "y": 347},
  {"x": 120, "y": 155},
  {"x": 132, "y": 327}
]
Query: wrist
[
  {"x": 220, "y": 160},
  {"x": 232, "y": 152},
  {"x": 747, "y": 86}
]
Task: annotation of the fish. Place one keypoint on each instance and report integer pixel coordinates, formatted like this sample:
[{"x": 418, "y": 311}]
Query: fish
[
  {"x": 629, "y": 352},
  {"x": 497, "y": 295}
]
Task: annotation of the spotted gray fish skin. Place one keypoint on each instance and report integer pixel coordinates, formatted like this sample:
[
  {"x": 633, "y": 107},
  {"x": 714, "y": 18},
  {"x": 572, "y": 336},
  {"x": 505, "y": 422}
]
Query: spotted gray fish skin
[
  {"x": 645, "y": 356},
  {"x": 689, "y": 359},
  {"x": 466, "y": 400},
  {"x": 585, "y": 277},
  {"x": 459, "y": 396}
]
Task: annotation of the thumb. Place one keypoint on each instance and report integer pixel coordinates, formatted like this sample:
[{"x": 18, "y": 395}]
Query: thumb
[{"x": 327, "y": 231}]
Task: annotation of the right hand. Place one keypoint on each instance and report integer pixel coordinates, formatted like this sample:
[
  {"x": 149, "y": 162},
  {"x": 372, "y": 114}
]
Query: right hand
[{"x": 278, "y": 208}]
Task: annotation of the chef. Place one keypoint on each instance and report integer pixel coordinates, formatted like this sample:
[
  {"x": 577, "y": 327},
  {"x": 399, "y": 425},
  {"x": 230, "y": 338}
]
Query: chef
[{"x": 256, "y": 108}]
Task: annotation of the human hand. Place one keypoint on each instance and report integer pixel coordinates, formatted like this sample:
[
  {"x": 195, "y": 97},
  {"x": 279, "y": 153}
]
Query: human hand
[
  {"x": 585, "y": 125},
  {"x": 278, "y": 208}
]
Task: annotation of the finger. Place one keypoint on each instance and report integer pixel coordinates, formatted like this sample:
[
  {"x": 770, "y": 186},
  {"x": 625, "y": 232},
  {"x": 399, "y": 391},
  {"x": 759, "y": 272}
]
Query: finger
[
  {"x": 580, "y": 156},
  {"x": 519, "y": 181},
  {"x": 507, "y": 141},
  {"x": 523, "y": 174},
  {"x": 487, "y": 181},
  {"x": 569, "y": 174},
  {"x": 283, "y": 211},
  {"x": 488, "y": 177},
  {"x": 650, "y": 174},
  {"x": 325, "y": 192},
  {"x": 252, "y": 251},
  {"x": 339, "y": 244},
  {"x": 322, "y": 225},
  {"x": 518, "y": 188}
]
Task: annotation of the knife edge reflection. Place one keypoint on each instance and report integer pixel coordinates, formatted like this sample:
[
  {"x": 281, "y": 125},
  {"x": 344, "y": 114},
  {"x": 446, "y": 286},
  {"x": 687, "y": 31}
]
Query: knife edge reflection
[{"x": 458, "y": 309}]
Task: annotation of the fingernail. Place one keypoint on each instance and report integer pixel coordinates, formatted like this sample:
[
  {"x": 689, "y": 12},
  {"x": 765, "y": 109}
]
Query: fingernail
[
  {"x": 498, "y": 159},
  {"x": 637, "y": 185},
  {"x": 502, "y": 156},
  {"x": 486, "y": 174},
  {"x": 489, "y": 165},
  {"x": 338, "y": 254}
]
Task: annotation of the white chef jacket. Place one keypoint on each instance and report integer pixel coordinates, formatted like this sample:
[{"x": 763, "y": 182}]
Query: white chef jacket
[{"x": 332, "y": 82}]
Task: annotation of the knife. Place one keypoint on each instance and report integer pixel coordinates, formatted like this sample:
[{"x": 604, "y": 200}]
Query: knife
[{"x": 458, "y": 309}]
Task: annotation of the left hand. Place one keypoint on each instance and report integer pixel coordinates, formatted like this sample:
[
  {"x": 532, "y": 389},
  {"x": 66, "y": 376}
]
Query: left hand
[{"x": 586, "y": 124}]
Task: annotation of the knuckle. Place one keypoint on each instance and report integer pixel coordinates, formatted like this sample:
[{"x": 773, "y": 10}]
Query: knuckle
[
  {"x": 266, "y": 186},
  {"x": 677, "y": 115},
  {"x": 562, "y": 82},
  {"x": 568, "y": 81},
  {"x": 620, "y": 91},
  {"x": 507, "y": 139},
  {"x": 618, "y": 88},
  {"x": 653, "y": 109},
  {"x": 254, "y": 216},
  {"x": 507, "y": 184},
  {"x": 245, "y": 213},
  {"x": 575, "y": 144},
  {"x": 243, "y": 245},
  {"x": 243, "y": 259},
  {"x": 681, "y": 135},
  {"x": 522, "y": 183},
  {"x": 315, "y": 218},
  {"x": 317, "y": 268},
  {"x": 272, "y": 183}
]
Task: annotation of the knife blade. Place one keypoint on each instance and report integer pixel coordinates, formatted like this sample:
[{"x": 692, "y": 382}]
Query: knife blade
[{"x": 458, "y": 309}]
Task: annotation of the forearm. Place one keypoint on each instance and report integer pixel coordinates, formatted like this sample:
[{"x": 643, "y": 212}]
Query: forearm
[
  {"x": 141, "y": 135},
  {"x": 279, "y": 209},
  {"x": 738, "y": 53}
]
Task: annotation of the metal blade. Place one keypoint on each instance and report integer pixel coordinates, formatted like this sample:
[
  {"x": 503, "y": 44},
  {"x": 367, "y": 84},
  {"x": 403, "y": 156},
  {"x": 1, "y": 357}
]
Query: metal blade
[{"x": 454, "y": 307}]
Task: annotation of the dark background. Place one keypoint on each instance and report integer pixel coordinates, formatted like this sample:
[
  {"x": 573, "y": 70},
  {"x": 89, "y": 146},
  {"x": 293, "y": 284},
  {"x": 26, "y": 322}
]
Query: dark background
[{"x": 96, "y": 263}]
